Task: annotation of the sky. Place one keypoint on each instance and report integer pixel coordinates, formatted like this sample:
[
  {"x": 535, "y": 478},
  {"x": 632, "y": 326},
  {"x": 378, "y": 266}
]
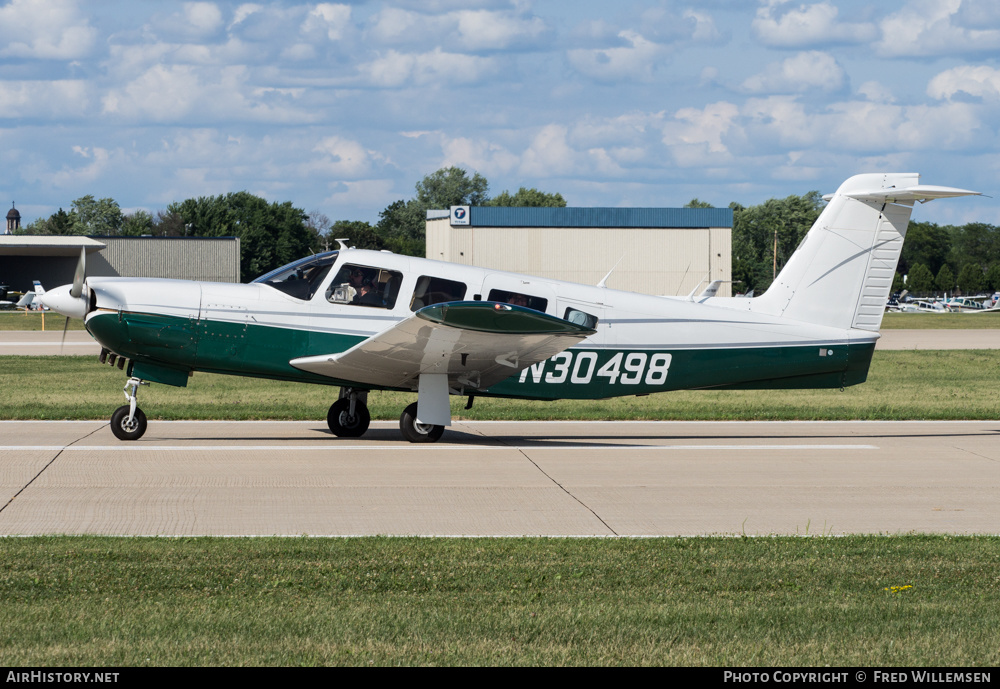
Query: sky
[{"x": 341, "y": 108}]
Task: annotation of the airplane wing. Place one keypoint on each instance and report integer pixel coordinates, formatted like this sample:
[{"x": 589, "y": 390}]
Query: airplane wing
[{"x": 476, "y": 343}]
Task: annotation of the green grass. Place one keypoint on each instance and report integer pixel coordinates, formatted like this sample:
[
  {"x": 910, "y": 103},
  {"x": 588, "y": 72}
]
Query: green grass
[
  {"x": 88, "y": 601},
  {"x": 941, "y": 321},
  {"x": 959, "y": 384},
  {"x": 32, "y": 320}
]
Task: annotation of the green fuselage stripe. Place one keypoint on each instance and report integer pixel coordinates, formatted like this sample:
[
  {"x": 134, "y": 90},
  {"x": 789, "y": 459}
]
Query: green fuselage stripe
[{"x": 249, "y": 349}]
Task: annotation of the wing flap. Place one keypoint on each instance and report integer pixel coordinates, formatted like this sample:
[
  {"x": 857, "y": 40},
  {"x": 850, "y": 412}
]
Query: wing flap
[{"x": 477, "y": 344}]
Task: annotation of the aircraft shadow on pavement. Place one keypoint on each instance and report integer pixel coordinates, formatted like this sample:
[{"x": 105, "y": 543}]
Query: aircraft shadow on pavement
[{"x": 456, "y": 437}]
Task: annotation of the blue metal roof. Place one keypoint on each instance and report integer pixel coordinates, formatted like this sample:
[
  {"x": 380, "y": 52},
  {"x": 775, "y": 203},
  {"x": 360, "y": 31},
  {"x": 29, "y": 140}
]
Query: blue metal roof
[{"x": 503, "y": 216}]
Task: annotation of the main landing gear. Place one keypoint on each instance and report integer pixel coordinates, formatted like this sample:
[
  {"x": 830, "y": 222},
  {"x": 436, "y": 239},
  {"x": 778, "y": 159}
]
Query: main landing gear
[
  {"x": 129, "y": 422},
  {"x": 349, "y": 418},
  {"x": 415, "y": 431}
]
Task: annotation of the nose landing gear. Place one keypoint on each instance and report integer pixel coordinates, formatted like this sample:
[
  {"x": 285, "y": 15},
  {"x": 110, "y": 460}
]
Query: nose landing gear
[
  {"x": 349, "y": 416},
  {"x": 129, "y": 422}
]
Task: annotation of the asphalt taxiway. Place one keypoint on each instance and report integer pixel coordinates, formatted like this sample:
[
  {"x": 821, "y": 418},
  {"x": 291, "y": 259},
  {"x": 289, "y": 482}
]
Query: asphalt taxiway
[{"x": 502, "y": 479}]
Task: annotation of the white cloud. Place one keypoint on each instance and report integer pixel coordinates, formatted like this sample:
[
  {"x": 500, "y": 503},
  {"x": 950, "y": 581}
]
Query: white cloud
[
  {"x": 178, "y": 93},
  {"x": 45, "y": 29},
  {"x": 373, "y": 193},
  {"x": 550, "y": 154},
  {"x": 876, "y": 92},
  {"x": 637, "y": 60},
  {"x": 477, "y": 154},
  {"x": 329, "y": 20},
  {"x": 704, "y": 26},
  {"x": 395, "y": 69},
  {"x": 341, "y": 158},
  {"x": 802, "y": 72},
  {"x": 204, "y": 18},
  {"x": 467, "y": 30},
  {"x": 928, "y": 27},
  {"x": 48, "y": 100},
  {"x": 69, "y": 177},
  {"x": 702, "y": 126},
  {"x": 808, "y": 25},
  {"x": 980, "y": 81}
]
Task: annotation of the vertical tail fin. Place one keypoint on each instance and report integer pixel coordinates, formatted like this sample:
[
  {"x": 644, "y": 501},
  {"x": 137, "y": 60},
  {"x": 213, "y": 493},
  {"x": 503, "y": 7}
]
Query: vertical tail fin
[{"x": 841, "y": 274}]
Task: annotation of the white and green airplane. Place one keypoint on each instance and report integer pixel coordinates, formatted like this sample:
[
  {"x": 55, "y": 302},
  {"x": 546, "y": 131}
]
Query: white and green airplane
[{"x": 370, "y": 320}]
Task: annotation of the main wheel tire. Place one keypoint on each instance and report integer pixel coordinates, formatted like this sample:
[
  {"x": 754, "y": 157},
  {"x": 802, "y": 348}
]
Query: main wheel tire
[
  {"x": 124, "y": 430},
  {"x": 417, "y": 432},
  {"x": 342, "y": 424}
]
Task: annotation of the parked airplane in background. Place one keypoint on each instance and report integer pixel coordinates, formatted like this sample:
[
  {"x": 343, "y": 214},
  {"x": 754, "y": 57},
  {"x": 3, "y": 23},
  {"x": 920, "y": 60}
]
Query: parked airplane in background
[
  {"x": 970, "y": 305},
  {"x": 923, "y": 306},
  {"x": 31, "y": 300},
  {"x": 368, "y": 320}
]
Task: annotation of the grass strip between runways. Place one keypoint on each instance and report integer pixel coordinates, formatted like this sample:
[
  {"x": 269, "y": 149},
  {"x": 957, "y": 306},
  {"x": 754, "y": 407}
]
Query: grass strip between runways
[
  {"x": 955, "y": 384},
  {"x": 854, "y": 601}
]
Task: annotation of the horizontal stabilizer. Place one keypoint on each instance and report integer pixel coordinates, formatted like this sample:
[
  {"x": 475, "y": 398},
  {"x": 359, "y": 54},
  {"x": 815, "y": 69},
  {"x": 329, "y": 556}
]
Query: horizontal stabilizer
[
  {"x": 920, "y": 192},
  {"x": 477, "y": 344}
]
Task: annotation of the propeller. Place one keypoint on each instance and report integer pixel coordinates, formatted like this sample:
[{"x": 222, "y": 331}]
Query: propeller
[
  {"x": 76, "y": 290},
  {"x": 81, "y": 271}
]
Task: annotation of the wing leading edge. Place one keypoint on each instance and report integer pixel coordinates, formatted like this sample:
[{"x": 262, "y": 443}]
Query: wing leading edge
[{"x": 475, "y": 343}]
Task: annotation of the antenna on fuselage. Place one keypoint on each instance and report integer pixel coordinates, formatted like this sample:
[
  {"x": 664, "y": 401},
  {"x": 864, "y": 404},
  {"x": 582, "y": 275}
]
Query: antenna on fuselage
[
  {"x": 341, "y": 243},
  {"x": 604, "y": 280}
]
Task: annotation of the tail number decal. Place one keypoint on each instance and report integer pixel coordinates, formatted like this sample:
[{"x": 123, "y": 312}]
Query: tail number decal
[{"x": 581, "y": 367}]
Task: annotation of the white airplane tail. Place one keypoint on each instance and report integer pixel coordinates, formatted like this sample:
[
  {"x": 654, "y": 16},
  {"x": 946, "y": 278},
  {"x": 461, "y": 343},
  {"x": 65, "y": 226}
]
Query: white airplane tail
[
  {"x": 841, "y": 274},
  {"x": 39, "y": 290}
]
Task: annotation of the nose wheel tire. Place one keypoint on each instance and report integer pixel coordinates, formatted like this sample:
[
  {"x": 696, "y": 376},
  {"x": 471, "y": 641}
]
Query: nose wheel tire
[
  {"x": 417, "y": 432},
  {"x": 125, "y": 429},
  {"x": 342, "y": 424}
]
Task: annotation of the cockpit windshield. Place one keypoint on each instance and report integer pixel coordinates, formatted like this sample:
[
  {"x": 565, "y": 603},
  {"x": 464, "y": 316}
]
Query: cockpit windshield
[{"x": 300, "y": 279}]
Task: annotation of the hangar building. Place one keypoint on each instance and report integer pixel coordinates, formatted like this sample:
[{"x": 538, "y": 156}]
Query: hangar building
[
  {"x": 52, "y": 259},
  {"x": 662, "y": 250}
]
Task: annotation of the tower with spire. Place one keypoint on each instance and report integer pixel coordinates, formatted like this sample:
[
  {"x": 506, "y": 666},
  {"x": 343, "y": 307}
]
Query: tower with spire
[{"x": 13, "y": 220}]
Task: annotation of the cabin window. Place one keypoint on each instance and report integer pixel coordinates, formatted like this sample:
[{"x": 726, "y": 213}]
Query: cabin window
[
  {"x": 300, "y": 279},
  {"x": 580, "y": 318},
  {"x": 519, "y": 299},
  {"x": 365, "y": 286},
  {"x": 432, "y": 290}
]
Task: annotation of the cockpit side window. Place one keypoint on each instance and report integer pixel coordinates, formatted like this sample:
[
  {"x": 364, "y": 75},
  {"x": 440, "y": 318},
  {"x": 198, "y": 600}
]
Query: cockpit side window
[
  {"x": 365, "y": 286},
  {"x": 580, "y": 318},
  {"x": 432, "y": 290},
  {"x": 519, "y": 299},
  {"x": 302, "y": 278}
]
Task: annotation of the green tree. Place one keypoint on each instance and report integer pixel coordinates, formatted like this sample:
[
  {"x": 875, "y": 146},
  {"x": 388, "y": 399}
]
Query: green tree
[
  {"x": 271, "y": 234},
  {"x": 452, "y": 186},
  {"x": 971, "y": 278},
  {"x": 945, "y": 280},
  {"x": 977, "y": 243},
  {"x": 98, "y": 217},
  {"x": 360, "y": 235},
  {"x": 993, "y": 277},
  {"x": 697, "y": 203},
  {"x": 920, "y": 280},
  {"x": 897, "y": 282},
  {"x": 925, "y": 243},
  {"x": 59, "y": 223},
  {"x": 168, "y": 224},
  {"x": 527, "y": 198},
  {"x": 137, "y": 224},
  {"x": 754, "y": 232},
  {"x": 402, "y": 226}
]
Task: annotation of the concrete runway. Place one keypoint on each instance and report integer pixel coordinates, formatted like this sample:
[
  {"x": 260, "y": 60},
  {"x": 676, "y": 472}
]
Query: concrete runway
[
  {"x": 503, "y": 478},
  {"x": 50, "y": 342}
]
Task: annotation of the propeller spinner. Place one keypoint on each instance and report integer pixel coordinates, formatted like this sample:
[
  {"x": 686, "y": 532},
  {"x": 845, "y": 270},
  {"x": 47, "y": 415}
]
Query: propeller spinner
[{"x": 71, "y": 301}]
